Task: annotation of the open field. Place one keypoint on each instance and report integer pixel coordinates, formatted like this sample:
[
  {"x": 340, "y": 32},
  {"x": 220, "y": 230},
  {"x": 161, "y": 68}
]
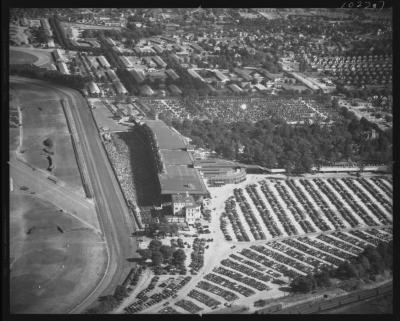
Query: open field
[
  {"x": 55, "y": 259},
  {"x": 42, "y": 118},
  {"x": 22, "y": 55}
]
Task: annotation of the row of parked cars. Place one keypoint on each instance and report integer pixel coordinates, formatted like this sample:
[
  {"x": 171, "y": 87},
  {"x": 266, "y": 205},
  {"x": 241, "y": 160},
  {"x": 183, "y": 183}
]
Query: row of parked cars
[
  {"x": 237, "y": 226},
  {"x": 281, "y": 268},
  {"x": 265, "y": 214},
  {"x": 225, "y": 294},
  {"x": 365, "y": 237},
  {"x": 262, "y": 276},
  {"x": 145, "y": 301},
  {"x": 255, "y": 227},
  {"x": 368, "y": 202},
  {"x": 310, "y": 260},
  {"x": 278, "y": 257},
  {"x": 308, "y": 206},
  {"x": 329, "y": 214},
  {"x": 352, "y": 202},
  {"x": 245, "y": 291},
  {"x": 204, "y": 298},
  {"x": 293, "y": 207},
  {"x": 189, "y": 306},
  {"x": 340, "y": 244},
  {"x": 337, "y": 255},
  {"x": 376, "y": 193},
  {"x": 241, "y": 278},
  {"x": 197, "y": 256},
  {"x": 289, "y": 228},
  {"x": 256, "y": 266},
  {"x": 379, "y": 181},
  {"x": 344, "y": 212}
]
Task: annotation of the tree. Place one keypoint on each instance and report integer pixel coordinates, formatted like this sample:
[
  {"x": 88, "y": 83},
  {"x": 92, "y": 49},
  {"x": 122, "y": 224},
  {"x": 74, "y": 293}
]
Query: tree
[
  {"x": 144, "y": 253},
  {"x": 156, "y": 258},
  {"x": 166, "y": 252},
  {"x": 179, "y": 257},
  {"x": 303, "y": 284},
  {"x": 120, "y": 292},
  {"x": 346, "y": 270},
  {"x": 154, "y": 245},
  {"x": 48, "y": 142}
]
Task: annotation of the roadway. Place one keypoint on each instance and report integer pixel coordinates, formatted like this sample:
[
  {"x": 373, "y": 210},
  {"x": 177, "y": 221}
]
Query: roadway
[{"x": 112, "y": 211}]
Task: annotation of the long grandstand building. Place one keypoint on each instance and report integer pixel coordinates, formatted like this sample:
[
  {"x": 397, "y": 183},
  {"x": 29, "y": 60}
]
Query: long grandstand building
[{"x": 175, "y": 164}]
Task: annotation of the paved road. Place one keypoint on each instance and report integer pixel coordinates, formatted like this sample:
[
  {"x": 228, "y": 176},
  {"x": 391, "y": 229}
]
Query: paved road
[{"x": 112, "y": 211}]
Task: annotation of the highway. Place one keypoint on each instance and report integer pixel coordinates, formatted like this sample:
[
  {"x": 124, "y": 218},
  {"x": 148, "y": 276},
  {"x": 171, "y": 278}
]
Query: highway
[{"x": 110, "y": 205}]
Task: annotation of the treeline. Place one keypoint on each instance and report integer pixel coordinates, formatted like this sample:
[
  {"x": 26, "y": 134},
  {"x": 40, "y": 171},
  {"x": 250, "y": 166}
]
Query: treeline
[
  {"x": 371, "y": 262},
  {"x": 74, "y": 81},
  {"x": 274, "y": 144}
]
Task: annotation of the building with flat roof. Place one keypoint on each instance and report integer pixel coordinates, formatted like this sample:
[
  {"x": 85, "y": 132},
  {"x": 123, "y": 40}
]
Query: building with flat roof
[
  {"x": 138, "y": 75},
  {"x": 103, "y": 62},
  {"x": 175, "y": 90},
  {"x": 171, "y": 73},
  {"x": 181, "y": 179}
]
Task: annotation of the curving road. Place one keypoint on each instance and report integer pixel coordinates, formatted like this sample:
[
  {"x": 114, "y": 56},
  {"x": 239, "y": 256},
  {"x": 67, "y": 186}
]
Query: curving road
[{"x": 111, "y": 208}]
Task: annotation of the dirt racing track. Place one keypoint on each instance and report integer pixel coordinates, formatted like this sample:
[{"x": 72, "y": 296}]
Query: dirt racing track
[{"x": 112, "y": 212}]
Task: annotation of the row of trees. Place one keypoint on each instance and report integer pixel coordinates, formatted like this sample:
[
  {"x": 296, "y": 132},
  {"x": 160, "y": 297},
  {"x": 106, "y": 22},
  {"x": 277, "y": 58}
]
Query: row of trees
[
  {"x": 371, "y": 262},
  {"x": 73, "y": 81},
  {"x": 159, "y": 253},
  {"x": 274, "y": 144}
]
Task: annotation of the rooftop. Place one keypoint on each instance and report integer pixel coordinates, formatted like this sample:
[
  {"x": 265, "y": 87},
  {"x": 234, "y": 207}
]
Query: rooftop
[
  {"x": 181, "y": 179},
  {"x": 166, "y": 137}
]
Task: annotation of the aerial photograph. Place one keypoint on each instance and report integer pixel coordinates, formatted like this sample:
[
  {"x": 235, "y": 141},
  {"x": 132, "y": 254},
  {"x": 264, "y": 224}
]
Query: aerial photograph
[{"x": 200, "y": 160}]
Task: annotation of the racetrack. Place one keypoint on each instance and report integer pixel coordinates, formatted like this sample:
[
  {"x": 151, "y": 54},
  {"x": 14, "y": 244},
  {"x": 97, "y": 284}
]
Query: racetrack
[{"x": 112, "y": 211}]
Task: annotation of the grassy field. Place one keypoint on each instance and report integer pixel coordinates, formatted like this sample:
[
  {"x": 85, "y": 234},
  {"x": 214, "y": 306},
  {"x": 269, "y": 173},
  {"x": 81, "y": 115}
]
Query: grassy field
[
  {"x": 42, "y": 118},
  {"x": 54, "y": 258},
  {"x": 21, "y": 57},
  {"x": 38, "y": 57}
]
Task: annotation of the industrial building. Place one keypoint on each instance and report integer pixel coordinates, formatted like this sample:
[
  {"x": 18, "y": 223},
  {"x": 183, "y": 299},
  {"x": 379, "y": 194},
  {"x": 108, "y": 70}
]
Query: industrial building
[
  {"x": 138, "y": 75},
  {"x": 58, "y": 55},
  {"x": 94, "y": 89},
  {"x": 103, "y": 62},
  {"x": 120, "y": 88},
  {"x": 175, "y": 90},
  {"x": 62, "y": 67},
  {"x": 171, "y": 73},
  {"x": 146, "y": 90}
]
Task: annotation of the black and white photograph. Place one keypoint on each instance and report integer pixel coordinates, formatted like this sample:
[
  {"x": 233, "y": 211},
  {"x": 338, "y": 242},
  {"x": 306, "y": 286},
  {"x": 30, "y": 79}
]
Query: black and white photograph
[{"x": 200, "y": 160}]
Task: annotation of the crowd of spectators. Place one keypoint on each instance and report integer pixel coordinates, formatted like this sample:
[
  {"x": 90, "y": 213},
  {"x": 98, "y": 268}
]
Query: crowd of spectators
[{"x": 232, "y": 109}]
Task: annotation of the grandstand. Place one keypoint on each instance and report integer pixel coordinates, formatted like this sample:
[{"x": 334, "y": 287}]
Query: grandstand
[{"x": 176, "y": 171}]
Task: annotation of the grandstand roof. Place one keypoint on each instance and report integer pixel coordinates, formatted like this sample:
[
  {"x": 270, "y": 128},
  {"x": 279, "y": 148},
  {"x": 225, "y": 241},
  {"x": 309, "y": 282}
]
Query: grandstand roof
[
  {"x": 166, "y": 137},
  {"x": 181, "y": 179},
  {"x": 176, "y": 157}
]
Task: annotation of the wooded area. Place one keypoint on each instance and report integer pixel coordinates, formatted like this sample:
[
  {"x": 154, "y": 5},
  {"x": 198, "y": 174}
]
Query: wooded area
[{"x": 274, "y": 144}]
